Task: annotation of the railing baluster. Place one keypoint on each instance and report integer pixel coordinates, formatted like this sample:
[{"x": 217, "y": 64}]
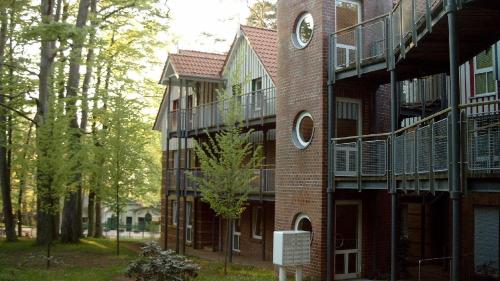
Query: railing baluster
[
  {"x": 358, "y": 50},
  {"x": 413, "y": 23},
  {"x": 428, "y": 16},
  {"x": 402, "y": 44},
  {"x": 359, "y": 162}
]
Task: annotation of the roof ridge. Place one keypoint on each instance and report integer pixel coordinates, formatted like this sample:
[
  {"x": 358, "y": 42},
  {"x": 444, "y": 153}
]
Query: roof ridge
[
  {"x": 203, "y": 52},
  {"x": 193, "y": 56},
  {"x": 261, "y": 28}
]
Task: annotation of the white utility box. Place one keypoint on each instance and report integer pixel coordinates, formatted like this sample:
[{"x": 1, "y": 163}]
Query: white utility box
[{"x": 291, "y": 248}]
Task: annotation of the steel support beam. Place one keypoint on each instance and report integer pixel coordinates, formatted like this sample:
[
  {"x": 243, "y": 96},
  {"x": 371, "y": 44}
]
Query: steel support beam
[
  {"x": 455, "y": 192},
  {"x": 330, "y": 180},
  {"x": 392, "y": 181}
]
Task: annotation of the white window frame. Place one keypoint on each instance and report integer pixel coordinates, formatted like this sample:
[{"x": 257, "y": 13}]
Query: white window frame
[
  {"x": 236, "y": 235},
  {"x": 174, "y": 213},
  {"x": 257, "y": 95},
  {"x": 485, "y": 70},
  {"x": 299, "y": 44},
  {"x": 302, "y": 144},
  {"x": 254, "y": 222},
  {"x": 345, "y": 46},
  {"x": 359, "y": 250}
]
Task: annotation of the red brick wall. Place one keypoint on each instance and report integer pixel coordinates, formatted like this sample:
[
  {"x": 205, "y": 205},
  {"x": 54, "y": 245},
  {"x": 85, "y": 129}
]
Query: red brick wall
[
  {"x": 301, "y": 174},
  {"x": 302, "y": 85},
  {"x": 249, "y": 246}
]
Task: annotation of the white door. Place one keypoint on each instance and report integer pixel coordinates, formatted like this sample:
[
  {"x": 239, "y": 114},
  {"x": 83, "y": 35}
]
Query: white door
[{"x": 347, "y": 239}]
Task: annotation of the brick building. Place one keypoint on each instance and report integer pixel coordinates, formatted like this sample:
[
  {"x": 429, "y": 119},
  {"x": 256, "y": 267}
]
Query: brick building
[
  {"x": 190, "y": 107},
  {"x": 389, "y": 158}
]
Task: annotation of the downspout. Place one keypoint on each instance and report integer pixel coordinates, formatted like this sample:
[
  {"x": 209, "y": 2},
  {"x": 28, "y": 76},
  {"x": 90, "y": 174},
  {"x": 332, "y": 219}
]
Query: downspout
[
  {"x": 330, "y": 179},
  {"x": 455, "y": 192},
  {"x": 167, "y": 178},
  {"x": 393, "y": 185}
]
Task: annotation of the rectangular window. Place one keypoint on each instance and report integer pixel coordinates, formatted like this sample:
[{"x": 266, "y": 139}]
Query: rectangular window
[
  {"x": 257, "y": 222},
  {"x": 484, "y": 77},
  {"x": 174, "y": 213},
  {"x": 348, "y": 13},
  {"x": 236, "y": 235},
  {"x": 257, "y": 97},
  {"x": 189, "y": 222}
]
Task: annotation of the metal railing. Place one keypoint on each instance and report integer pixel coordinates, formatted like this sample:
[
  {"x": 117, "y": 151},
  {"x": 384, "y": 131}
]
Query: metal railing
[
  {"x": 256, "y": 105},
  {"x": 264, "y": 180},
  {"x": 385, "y": 37},
  {"x": 422, "y": 150},
  {"x": 361, "y": 156}
]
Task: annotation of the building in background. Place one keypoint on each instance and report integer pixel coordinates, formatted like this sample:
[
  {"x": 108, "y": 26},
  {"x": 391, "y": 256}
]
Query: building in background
[{"x": 189, "y": 109}]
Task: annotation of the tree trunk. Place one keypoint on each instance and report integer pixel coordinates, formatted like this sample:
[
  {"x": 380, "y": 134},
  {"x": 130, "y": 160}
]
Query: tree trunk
[
  {"x": 90, "y": 214},
  {"x": 22, "y": 186},
  {"x": 5, "y": 184},
  {"x": 71, "y": 228},
  {"x": 98, "y": 219},
  {"x": 45, "y": 202},
  {"x": 228, "y": 245}
]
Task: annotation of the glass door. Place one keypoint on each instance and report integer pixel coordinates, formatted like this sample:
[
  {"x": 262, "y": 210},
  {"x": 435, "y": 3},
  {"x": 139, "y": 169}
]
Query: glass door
[
  {"x": 348, "y": 13},
  {"x": 347, "y": 239}
]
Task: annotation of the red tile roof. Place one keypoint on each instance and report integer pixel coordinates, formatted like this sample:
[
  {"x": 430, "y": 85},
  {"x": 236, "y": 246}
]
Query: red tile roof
[
  {"x": 265, "y": 44},
  {"x": 197, "y": 64}
]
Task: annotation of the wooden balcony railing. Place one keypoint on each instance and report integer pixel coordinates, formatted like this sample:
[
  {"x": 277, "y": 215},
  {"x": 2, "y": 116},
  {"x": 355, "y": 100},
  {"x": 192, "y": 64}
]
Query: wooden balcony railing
[{"x": 254, "y": 106}]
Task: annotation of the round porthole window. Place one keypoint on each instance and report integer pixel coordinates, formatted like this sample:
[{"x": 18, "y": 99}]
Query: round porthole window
[
  {"x": 304, "y": 27},
  {"x": 303, "y": 130},
  {"x": 303, "y": 222}
]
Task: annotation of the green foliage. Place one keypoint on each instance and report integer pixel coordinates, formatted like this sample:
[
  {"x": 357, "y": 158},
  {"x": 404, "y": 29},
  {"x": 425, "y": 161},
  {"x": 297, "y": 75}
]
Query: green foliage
[
  {"x": 156, "y": 264},
  {"x": 262, "y": 14},
  {"x": 227, "y": 163}
]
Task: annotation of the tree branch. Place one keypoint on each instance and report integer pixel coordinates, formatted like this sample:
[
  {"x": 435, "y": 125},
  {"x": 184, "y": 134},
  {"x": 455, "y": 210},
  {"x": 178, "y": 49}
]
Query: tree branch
[{"x": 20, "y": 113}]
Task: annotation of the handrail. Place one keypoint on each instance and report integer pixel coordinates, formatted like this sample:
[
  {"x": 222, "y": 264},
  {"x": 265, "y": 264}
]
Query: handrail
[
  {"x": 362, "y": 136},
  {"x": 479, "y": 103},
  {"x": 360, "y": 24},
  {"x": 428, "y": 118}
]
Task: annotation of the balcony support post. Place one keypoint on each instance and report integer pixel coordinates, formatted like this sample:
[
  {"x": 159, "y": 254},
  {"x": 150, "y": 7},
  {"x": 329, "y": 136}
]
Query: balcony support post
[
  {"x": 178, "y": 172},
  {"x": 263, "y": 185},
  {"x": 166, "y": 163},
  {"x": 456, "y": 192},
  {"x": 184, "y": 179},
  {"x": 330, "y": 174},
  {"x": 392, "y": 180}
]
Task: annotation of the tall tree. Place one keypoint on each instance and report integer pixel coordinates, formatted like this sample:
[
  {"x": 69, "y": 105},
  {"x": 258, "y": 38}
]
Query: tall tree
[
  {"x": 262, "y": 14},
  {"x": 71, "y": 224},
  {"x": 227, "y": 162},
  {"x": 5, "y": 181}
]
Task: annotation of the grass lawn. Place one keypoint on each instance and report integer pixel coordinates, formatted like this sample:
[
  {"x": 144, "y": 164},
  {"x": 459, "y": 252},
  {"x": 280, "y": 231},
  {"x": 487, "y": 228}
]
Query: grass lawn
[{"x": 96, "y": 260}]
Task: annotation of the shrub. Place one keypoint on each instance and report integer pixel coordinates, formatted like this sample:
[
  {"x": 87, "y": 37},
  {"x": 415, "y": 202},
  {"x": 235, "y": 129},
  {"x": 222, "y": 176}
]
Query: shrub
[{"x": 155, "y": 264}]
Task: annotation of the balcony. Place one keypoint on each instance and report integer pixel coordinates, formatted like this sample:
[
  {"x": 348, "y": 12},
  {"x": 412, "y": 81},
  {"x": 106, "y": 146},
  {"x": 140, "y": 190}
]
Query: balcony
[
  {"x": 412, "y": 32},
  {"x": 257, "y": 108},
  {"x": 420, "y": 153},
  {"x": 263, "y": 184}
]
